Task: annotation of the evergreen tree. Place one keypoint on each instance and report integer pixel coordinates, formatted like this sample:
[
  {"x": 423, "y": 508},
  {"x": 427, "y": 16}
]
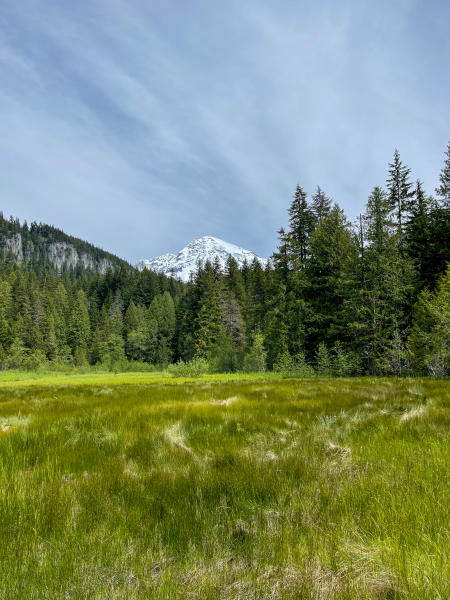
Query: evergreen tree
[
  {"x": 443, "y": 190},
  {"x": 162, "y": 310},
  {"x": 208, "y": 327},
  {"x": 331, "y": 277},
  {"x": 234, "y": 281},
  {"x": 287, "y": 307},
  {"x": 232, "y": 322},
  {"x": 300, "y": 226},
  {"x": 399, "y": 190},
  {"x": 439, "y": 245},
  {"x": 256, "y": 297},
  {"x": 5, "y": 315},
  {"x": 323, "y": 361},
  {"x": 61, "y": 317},
  {"x": 255, "y": 359},
  {"x": 429, "y": 341},
  {"x": 388, "y": 283},
  {"x": 418, "y": 236},
  {"x": 320, "y": 205},
  {"x": 116, "y": 314},
  {"x": 79, "y": 326}
]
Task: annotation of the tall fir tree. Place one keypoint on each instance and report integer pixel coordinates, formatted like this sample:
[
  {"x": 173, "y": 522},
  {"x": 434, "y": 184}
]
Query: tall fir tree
[
  {"x": 79, "y": 326},
  {"x": 418, "y": 236},
  {"x": 300, "y": 226},
  {"x": 389, "y": 283},
  {"x": 443, "y": 189},
  {"x": 320, "y": 205},
  {"x": 399, "y": 191},
  {"x": 429, "y": 340},
  {"x": 331, "y": 277}
]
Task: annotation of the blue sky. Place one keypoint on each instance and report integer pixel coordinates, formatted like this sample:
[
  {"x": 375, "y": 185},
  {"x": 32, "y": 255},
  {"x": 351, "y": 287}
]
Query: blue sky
[{"x": 139, "y": 125}]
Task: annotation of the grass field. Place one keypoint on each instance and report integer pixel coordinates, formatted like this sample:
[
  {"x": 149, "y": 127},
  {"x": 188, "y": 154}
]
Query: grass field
[{"x": 135, "y": 486}]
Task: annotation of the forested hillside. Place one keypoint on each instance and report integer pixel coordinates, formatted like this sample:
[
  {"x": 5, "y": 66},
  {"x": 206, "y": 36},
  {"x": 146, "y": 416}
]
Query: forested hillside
[
  {"x": 336, "y": 298},
  {"x": 42, "y": 245}
]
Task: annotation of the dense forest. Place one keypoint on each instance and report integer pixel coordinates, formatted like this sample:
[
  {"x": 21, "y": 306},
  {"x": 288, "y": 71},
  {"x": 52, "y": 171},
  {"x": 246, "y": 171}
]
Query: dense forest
[{"x": 336, "y": 298}]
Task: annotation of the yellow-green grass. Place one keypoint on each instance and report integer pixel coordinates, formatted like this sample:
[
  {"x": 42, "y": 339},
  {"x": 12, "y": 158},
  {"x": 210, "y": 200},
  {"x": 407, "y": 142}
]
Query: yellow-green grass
[
  {"x": 14, "y": 379},
  {"x": 122, "y": 488}
]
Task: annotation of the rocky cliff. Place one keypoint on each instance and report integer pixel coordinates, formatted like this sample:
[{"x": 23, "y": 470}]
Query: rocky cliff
[
  {"x": 42, "y": 244},
  {"x": 61, "y": 255}
]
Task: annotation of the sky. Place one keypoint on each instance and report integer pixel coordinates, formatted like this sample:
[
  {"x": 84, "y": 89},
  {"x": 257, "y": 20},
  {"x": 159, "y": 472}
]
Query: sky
[{"x": 140, "y": 125}]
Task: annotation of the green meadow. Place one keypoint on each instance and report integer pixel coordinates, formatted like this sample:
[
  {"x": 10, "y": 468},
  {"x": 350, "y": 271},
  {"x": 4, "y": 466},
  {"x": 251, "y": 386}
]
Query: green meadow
[{"x": 135, "y": 486}]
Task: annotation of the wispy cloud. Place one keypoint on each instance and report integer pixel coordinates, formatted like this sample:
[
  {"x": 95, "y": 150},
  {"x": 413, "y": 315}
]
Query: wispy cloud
[{"x": 141, "y": 125}]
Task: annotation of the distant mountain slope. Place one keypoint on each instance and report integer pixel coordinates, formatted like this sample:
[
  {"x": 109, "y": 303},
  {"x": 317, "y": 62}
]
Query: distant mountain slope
[
  {"x": 41, "y": 244},
  {"x": 184, "y": 263}
]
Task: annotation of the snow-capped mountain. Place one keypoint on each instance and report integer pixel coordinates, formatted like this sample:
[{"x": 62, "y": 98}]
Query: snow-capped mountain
[{"x": 184, "y": 263}]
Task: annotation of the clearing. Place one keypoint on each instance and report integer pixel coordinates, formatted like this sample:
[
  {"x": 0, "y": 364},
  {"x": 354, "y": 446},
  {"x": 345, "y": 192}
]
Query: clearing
[{"x": 136, "y": 486}]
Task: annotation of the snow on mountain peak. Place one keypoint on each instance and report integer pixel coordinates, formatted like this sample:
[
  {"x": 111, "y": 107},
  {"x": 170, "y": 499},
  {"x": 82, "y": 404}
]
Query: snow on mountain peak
[{"x": 184, "y": 263}]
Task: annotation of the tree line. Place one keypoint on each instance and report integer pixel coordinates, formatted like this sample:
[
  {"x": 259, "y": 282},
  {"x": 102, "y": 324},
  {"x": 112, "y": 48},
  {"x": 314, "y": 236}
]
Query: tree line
[{"x": 336, "y": 298}]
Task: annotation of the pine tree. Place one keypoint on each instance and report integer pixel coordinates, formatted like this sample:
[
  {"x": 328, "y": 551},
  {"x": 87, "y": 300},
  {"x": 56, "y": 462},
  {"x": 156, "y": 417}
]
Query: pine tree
[
  {"x": 255, "y": 360},
  {"x": 255, "y": 307},
  {"x": 142, "y": 333},
  {"x": 116, "y": 314},
  {"x": 320, "y": 205},
  {"x": 5, "y": 314},
  {"x": 285, "y": 299},
  {"x": 443, "y": 190},
  {"x": 234, "y": 281},
  {"x": 208, "y": 326},
  {"x": 418, "y": 235},
  {"x": 209, "y": 329},
  {"x": 331, "y": 276},
  {"x": 79, "y": 326},
  {"x": 162, "y": 310},
  {"x": 282, "y": 258},
  {"x": 429, "y": 341},
  {"x": 439, "y": 246},
  {"x": 300, "y": 226},
  {"x": 232, "y": 321},
  {"x": 399, "y": 190},
  {"x": 388, "y": 283},
  {"x": 323, "y": 361}
]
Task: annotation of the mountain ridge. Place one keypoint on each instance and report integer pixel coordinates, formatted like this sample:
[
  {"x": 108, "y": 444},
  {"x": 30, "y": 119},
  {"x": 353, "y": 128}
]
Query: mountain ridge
[{"x": 43, "y": 244}]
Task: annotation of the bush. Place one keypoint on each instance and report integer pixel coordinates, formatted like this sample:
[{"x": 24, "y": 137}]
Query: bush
[
  {"x": 34, "y": 361},
  {"x": 293, "y": 366},
  {"x": 194, "y": 368},
  {"x": 17, "y": 355}
]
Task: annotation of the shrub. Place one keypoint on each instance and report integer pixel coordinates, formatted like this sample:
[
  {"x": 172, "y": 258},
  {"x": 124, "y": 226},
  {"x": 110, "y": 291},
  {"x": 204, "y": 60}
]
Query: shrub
[
  {"x": 193, "y": 368},
  {"x": 17, "y": 355},
  {"x": 293, "y": 366},
  {"x": 34, "y": 361}
]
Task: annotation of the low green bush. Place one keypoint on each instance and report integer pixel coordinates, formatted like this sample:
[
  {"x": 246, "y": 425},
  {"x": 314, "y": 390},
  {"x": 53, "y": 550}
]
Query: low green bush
[{"x": 193, "y": 368}]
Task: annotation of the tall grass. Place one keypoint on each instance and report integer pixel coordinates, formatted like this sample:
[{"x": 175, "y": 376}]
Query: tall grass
[{"x": 237, "y": 489}]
